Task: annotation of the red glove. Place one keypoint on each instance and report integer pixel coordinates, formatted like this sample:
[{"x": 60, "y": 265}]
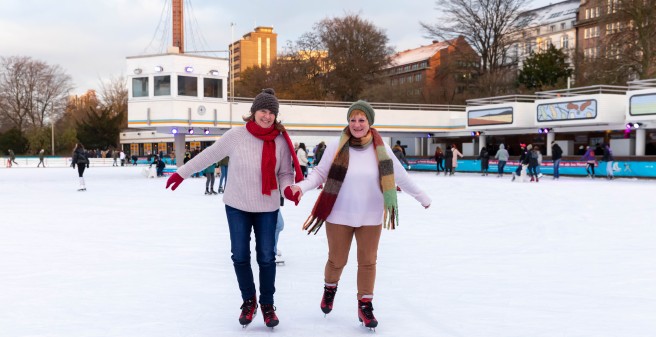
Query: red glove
[
  {"x": 174, "y": 181},
  {"x": 289, "y": 195}
]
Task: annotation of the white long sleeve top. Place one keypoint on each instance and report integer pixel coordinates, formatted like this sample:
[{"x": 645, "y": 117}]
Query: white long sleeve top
[
  {"x": 244, "y": 191},
  {"x": 360, "y": 199}
]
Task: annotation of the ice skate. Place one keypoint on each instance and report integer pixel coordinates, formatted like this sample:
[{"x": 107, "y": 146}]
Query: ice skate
[
  {"x": 279, "y": 260},
  {"x": 207, "y": 192},
  {"x": 248, "y": 311},
  {"x": 328, "y": 298},
  {"x": 366, "y": 313},
  {"x": 269, "y": 315}
]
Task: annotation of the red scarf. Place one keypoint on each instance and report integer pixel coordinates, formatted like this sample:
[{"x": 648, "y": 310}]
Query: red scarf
[{"x": 268, "y": 135}]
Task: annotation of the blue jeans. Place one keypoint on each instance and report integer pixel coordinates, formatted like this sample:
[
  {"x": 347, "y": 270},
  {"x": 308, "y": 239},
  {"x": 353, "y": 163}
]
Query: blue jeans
[
  {"x": 279, "y": 226},
  {"x": 224, "y": 176},
  {"x": 556, "y": 168},
  {"x": 264, "y": 226},
  {"x": 501, "y": 165}
]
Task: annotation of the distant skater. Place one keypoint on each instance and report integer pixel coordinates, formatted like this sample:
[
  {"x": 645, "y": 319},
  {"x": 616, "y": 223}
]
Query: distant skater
[
  {"x": 80, "y": 159},
  {"x": 41, "y": 157}
]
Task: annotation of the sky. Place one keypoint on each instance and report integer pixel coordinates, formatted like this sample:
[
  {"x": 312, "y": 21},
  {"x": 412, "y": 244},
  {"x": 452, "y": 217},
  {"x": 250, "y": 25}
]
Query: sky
[
  {"x": 91, "y": 39},
  {"x": 489, "y": 258}
]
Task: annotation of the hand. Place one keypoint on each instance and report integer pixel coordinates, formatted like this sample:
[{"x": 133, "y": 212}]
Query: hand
[
  {"x": 293, "y": 193},
  {"x": 174, "y": 181},
  {"x": 426, "y": 206}
]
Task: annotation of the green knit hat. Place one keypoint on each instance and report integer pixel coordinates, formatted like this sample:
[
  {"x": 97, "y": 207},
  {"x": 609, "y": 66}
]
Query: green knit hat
[{"x": 364, "y": 107}]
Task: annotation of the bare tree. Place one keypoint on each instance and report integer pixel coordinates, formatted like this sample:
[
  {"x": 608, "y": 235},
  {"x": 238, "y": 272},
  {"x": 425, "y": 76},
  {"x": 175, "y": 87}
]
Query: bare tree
[
  {"x": 489, "y": 26},
  {"x": 630, "y": 37},
  {"x": 32, "y": 91},
  {"x": 357, "y": 50},
  {"x": 114, "y": 96}
]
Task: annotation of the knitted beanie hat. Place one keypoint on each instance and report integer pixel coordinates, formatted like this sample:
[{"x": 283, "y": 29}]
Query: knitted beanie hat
[
  {"x": 266, "y": 100},
  {"x": 364, "y": 107}
]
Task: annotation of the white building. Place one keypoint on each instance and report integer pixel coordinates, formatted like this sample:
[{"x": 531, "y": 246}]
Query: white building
[{"x": 553, "y": 24}]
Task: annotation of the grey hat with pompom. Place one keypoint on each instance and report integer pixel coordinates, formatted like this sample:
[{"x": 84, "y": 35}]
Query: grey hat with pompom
[{"x": 266, "y": 100}]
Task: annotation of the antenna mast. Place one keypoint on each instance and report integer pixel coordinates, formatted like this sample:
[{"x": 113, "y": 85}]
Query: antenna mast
[{"x": 178, "y": 25}]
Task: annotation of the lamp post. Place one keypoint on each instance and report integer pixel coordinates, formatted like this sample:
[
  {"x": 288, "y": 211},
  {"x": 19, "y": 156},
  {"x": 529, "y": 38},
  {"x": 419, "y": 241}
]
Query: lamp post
[
  {"x": 52, "y": 135},
  {"x": 231, "y": 73}
]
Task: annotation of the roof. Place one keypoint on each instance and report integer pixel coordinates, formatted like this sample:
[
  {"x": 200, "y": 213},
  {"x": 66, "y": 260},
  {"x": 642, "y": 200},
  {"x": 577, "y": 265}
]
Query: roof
[
  {"x": 565, "y": 10},
  {"x": 418, "y": 54}
]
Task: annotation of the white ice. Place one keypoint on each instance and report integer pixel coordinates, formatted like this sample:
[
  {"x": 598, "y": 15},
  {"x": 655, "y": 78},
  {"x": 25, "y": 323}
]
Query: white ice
[{"x": 490, "y": 258}]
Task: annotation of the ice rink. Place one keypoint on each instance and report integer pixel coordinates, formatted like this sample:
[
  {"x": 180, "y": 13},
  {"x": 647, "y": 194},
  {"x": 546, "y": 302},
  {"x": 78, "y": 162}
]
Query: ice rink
[{"x": 489, "y": 258}]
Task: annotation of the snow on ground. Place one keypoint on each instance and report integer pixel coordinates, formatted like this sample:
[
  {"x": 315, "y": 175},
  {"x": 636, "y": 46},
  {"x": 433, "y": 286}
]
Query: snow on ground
[{"x": 573, "y": 257}]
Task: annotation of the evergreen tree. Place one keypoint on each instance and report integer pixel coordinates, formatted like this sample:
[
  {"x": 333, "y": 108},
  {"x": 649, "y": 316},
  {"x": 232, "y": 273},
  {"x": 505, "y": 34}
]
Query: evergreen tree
[
  {"x": 101, "y": 129},
  {"x": 544, "y": 70}
]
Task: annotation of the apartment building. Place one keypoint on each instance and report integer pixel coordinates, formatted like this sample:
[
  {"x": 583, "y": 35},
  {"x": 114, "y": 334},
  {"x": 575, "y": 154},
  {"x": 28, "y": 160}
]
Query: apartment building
[{"x": 257, "y": 48}]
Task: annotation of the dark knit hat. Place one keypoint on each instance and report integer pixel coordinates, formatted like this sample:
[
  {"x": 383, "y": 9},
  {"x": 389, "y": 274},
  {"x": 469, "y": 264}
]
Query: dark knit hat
[
  {"x": 364, "y": 107},
  {"x": 266, "y": 100}
]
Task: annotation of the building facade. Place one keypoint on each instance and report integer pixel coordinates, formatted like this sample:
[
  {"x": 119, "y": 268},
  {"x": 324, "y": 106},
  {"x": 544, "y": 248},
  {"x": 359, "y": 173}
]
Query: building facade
[
  {"x": 538, "y": 28},
  {"x": 257, "y": 48},
  {"x": 433, "y": 71}
]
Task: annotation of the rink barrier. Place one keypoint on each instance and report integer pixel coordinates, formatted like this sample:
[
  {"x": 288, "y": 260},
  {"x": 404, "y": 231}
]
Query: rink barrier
[{"x": 622, "y": 168}]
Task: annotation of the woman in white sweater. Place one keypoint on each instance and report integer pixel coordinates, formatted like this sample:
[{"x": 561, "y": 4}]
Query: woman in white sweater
[
  {"x": 359, "y": 199},
  {"x": 260, "y": 162}
]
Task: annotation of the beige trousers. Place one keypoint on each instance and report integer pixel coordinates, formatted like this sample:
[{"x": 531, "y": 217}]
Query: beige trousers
[{"x": 339, "y": 244}]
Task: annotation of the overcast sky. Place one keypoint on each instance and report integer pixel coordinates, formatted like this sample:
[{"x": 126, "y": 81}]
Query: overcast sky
[{"x": 91, "y": 38}]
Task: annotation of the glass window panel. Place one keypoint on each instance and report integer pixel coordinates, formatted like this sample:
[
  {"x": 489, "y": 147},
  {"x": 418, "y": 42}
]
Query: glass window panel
[
  {"x": 187, "y": 86},
  {"x": 140, "y": 87},
  {"x": 162, "y": 85},
  {"x": 213, "y": 88}
]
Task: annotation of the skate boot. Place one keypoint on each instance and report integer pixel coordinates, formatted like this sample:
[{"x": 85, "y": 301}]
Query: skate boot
[
  {"x": 328, "y": 298},
  {"x": 532, "y": 179},
  {"x": 366, "y": 313},
  {"x": 207, "y": 192},
  {"x": 220, "y": 189},
  {"x": 83, "y": 187},
  {"x": 398, "y": 189},
  {"x": 514, "y": 176},
  {"x": 269, "y": 314},
  {"x": 248, "y": 310},
  {"x": 212, "y": 191}
]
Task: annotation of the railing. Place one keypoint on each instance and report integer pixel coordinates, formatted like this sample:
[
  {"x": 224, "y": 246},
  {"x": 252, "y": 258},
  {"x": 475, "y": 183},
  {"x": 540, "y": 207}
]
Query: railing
[
  {"x": 501, "y": 99},
  {"x": 642, "y": 84},
  {"x": 591, "y": 90},
  {"x": 384, "y": 106}
]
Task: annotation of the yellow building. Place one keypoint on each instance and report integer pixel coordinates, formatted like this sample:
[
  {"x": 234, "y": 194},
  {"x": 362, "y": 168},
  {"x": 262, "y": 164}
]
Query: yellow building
[{"x": 257, "y": 48}]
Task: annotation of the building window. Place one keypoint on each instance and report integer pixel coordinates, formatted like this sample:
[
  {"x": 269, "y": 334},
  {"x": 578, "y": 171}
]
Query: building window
[
  {"x": 162, "y": 85},
  {"x": 562, "y": 26},
  {"x": 212, "y": 87},
  {"x": 564, "y": 42},
  {"x": 552, "y": 28},
  {"x": 187, "y": 86},
  {"x": 418, "y": 77},
  {"x": 140, "y": 87}
]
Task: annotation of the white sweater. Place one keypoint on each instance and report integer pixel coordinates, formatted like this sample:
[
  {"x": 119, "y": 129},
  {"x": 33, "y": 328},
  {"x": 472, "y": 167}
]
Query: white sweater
[
  {"x": 360, "y": 199},
  {"x": 244, "y": 189}
]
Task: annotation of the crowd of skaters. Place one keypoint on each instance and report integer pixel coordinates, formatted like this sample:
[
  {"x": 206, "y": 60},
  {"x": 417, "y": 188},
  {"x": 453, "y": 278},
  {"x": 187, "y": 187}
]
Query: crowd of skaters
[{"x": 530, "y": 159}]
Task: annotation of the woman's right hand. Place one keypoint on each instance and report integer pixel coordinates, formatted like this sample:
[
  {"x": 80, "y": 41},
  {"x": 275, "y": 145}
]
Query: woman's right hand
[{"x": 293, "y": 193}]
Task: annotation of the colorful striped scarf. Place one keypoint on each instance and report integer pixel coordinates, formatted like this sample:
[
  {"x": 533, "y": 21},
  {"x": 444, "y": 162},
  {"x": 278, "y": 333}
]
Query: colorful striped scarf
[{"x": 337, "y": 172}]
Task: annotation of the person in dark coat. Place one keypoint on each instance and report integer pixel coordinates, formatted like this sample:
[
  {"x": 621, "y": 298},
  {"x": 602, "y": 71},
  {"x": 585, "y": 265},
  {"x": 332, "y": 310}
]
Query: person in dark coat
[
  {"x": 556, "y": 156},
  {"x": 82, "y": 161},
  {"x": 439, "y": 159},
  {"x": 484, "y": 157},
  {"x": 522, "y": 161},
  {"x": 448, "y": 160},
  {"x": 608, "y": 158}
]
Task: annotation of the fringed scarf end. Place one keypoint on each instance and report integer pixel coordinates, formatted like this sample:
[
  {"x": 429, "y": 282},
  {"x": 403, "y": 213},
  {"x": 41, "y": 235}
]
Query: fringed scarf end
[
  {"x": 391, "y": 218},
  {"x": 313, "y": 224}
]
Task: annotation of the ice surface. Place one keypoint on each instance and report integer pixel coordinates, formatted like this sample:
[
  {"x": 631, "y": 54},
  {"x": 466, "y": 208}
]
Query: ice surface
[{"x": 573, "y": 257}]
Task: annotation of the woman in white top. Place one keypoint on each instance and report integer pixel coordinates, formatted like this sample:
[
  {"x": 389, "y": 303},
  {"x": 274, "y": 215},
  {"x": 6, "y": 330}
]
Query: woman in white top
[
  {"x": 301, "y": 153},
  {"x": 360, "y": 173}
]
